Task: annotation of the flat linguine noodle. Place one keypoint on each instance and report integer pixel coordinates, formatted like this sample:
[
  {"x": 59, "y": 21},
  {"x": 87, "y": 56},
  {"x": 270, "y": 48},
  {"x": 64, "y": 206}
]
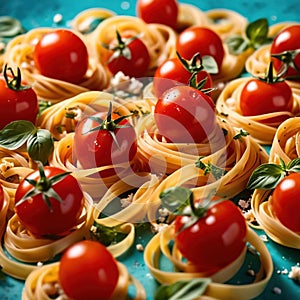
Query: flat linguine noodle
[
  {"x": 158, "y": 247},
  {"x": 261, "y": 127},
  {"x": 286, "y": 147},
  {"x": 19, "y": 53},
  {"x": 43, "y": 284}
]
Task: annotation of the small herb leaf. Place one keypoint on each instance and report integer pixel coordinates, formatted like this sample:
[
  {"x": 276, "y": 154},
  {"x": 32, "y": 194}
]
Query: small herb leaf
[
  {"x": 210, "y": 64},
  {"x": 40, "y": 145},
  {"x": 15, "y": 134},
  {"x": 176, "y": 198},
  {"x": 184, "y": 289},
  {"x": 257, "y": 32},
  {"x": 266, "y": 176}
]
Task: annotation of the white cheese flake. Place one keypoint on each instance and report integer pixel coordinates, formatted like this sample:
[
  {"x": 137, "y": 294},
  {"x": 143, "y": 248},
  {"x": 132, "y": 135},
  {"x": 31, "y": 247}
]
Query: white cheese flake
[{"x": 295, "y": 273}]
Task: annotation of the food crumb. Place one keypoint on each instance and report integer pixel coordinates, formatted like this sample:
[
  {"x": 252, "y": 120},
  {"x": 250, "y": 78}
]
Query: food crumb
[
  {"x": 277, "y": 290},
  {"x": 57, "y": 18},
  {"x": 251, "y": 272},
  {"x": 140, "y": 247},
  {"x": 295, "y": 273},
  {"x": 264, "y": 237}
]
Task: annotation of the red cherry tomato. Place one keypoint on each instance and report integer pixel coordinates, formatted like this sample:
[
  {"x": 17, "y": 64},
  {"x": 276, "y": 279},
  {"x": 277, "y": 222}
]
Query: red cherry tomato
[
  {"x": 96, "y": 148},
  {"x": 259, "y": 97},
  {"x": 172, "y": 73},
  {"x": 17, "y": 101},
  {"x": 215, "y": 240},
  {"x": 158, "y": 11},
  {"x": 59, "y": 215},
  {"x": 185, "y": 115},
  {"x": 129, "y": 56},
  {"x": 286, "y": 40},
  {"x": 203, "y": 40},
  {"x": 285, "y": 202},
  {"x": 62, "y": 55},
  {"x": 87, "y": 270}
]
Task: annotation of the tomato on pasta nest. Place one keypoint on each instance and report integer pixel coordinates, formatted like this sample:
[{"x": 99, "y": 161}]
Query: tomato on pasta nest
[
  {"x": 88, "y": 270},
  {"x": 184, "y": 114},
  {"x": 285, "y": 202},
  {"x": 200, "y": 39},
  {"x": 105, "y": 139},
  {"x": 49, "y": 202},
  {"x": 266, "y": 95},
  {"x": 158, "y": 11},
  {"x": 62, "y": 55},
  {"x": 209, "y": 233},
  {"x": 178, "y": 71},
  {"x": 18, "y": 101},
  {"x": 285, "y": 52}
]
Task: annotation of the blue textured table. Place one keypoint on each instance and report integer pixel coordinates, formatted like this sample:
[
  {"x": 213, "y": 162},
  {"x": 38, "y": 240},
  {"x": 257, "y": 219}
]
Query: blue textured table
[{"x": 40, "y": 13}]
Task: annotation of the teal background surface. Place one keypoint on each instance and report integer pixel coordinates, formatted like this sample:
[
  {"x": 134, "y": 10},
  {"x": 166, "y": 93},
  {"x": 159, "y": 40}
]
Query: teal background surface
[{"x": 40, "y": 13}]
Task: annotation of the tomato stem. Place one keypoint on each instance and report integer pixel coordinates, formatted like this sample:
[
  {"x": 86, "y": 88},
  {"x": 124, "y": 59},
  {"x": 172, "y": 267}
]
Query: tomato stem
[{"x": 15, "y": 83}]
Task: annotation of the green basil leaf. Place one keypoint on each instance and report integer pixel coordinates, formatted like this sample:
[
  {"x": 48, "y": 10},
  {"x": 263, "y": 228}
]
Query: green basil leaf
[
  {"x": 210, "y": 64},
  {"x": 175, "y": 198},
  {"x": 183, "y": 290},
  {"x": 266, "y": 176},
  {"x": 40, "y": 145},
  {"x": 15, "y": 134},
  {"x": 294, "y": 165},
  {"x": 257, "y": 32},
  {"x": 237, "y": 44}
]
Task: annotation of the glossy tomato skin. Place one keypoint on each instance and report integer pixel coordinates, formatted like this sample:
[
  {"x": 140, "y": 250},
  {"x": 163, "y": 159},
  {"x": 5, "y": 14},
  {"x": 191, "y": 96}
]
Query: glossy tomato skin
[
  {"x": 215, "y": 240},
  {"x": 185, "y": 115},
  {"x": 287, "y": 39},
  {"x": 17, "y": 104},
  {"x": 285, "y": 202},
  {"x": 158, "y": 11},
  {"x": 259, "y": 97},
  {"x": 87, "y": 270},
  {"x": 36, "y": 216},
  {"x": 62, "y": 55},
  {"x": 135, "y": 66},
  {"x": 172, "y": 73},
  {"x": 203, "y": 40},
  {"x": 98, "y": 148}
]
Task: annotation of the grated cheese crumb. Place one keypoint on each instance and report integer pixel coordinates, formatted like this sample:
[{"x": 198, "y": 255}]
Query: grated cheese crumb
[
  {"x": 295, "y": 273},
  {"x": 125, "y": 202},
  {"x": 57, "y": 18},
  {"x": 140, "y": 247},
  {"x": 156, "y": 228},
  {"x": 277, "y": 290}
]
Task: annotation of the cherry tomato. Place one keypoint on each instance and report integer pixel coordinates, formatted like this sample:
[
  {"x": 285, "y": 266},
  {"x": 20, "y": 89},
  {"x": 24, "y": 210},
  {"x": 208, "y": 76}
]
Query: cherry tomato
[
  {"x": 214, "y": 240},
  {"x": 203, "y": 40},
  {"x": 185, "y": 115},
  {"x": 129, "y": 56},
  {"x": 62, "y": 55},
  {"x": 17, "y": 101},
  {"x": 113, "y": 143},
  {"x": 46, "y": 213},
  {"x": 286, "y": 40},
  {"x": 87, "y": 270},
  {"x": 158, "y": 11},
  {"x": 259, "y": 97},
  {"x": 172, "y": 73},
  {"x": 285, "y": 202}
]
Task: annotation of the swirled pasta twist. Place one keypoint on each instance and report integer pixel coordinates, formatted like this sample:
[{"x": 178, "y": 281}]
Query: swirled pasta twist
[
  {"x": 43, "y": 284},
  {"x": 158, "y": 247},
  {"x": 260, "y": 127},
  {"x": 285, "y": 146},
  {"x": 19, "y": 53},
  {"x": 159, "y": 39}
]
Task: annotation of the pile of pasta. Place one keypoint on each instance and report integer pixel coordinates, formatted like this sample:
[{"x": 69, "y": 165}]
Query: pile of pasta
[
  {"x": 157, "y": 165},
  {"x": 285, "y": 146},
  {"x": 261, "y": 127}
]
